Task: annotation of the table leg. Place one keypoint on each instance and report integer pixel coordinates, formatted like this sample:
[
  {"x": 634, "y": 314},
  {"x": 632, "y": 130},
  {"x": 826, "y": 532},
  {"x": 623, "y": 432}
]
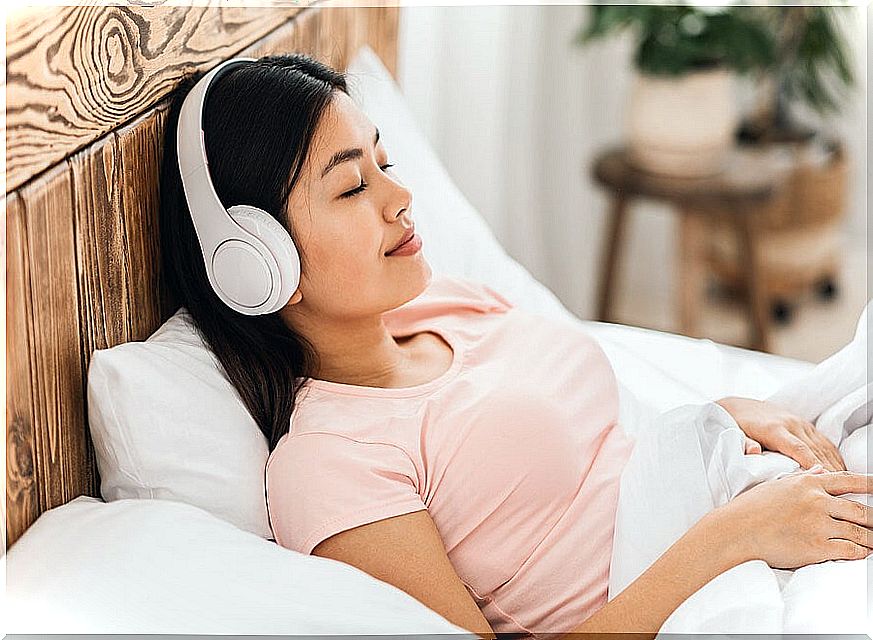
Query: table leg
[
  {"x": 692, "y": 237},
  {"x": 748, "y": 256},
  {"x": 609, "y": 276}
]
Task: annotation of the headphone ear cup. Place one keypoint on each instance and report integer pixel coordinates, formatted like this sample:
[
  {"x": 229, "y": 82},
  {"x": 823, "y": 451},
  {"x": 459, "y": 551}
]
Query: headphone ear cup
[{"x": 277, "y": 239}]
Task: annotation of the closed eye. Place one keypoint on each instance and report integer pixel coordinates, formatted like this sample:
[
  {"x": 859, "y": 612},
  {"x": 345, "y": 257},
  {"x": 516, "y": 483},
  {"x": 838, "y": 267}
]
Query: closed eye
[{"x": 363, "y": 186}]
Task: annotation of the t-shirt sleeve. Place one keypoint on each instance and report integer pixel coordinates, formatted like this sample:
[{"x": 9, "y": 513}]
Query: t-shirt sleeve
[{"x": 319, "y": 484}]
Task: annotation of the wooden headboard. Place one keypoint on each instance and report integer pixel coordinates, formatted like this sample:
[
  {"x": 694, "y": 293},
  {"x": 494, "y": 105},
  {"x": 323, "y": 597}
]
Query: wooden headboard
[{"x": 87, "y": 95}]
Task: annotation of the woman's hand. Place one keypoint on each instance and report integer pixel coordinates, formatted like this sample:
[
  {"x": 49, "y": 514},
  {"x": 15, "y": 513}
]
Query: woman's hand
[
  {"x": 790, "y": 522},
  {"x": 771, "y": 427},
  {"x": 800, "y": 519}
]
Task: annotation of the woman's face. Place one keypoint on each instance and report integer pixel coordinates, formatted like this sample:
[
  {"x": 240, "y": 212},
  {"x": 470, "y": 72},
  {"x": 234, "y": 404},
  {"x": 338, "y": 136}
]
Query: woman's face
[{"x": 342, "y": 231}]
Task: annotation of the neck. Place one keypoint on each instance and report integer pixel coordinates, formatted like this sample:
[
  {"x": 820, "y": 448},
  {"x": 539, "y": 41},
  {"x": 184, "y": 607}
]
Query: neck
[{"x": 359, "y": 351}]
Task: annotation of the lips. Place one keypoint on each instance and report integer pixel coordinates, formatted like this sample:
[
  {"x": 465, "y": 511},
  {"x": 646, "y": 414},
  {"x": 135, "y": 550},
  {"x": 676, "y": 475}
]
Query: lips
[{"x": 406, "y": 237}]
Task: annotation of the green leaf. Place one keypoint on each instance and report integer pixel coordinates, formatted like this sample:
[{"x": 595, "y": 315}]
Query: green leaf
[{"x": 742, "y": 38}]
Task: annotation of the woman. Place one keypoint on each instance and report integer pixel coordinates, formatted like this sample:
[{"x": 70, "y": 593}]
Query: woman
[{"x": 444, "y": 441}]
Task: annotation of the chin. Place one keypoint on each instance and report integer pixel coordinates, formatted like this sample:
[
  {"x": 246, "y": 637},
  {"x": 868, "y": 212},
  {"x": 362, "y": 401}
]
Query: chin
[
  {"x": 428, "y": 272},
  {"x": 420, "y": 279}
]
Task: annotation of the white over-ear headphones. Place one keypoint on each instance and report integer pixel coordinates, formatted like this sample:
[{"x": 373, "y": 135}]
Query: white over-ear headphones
[{"x": 251, "y": 261}]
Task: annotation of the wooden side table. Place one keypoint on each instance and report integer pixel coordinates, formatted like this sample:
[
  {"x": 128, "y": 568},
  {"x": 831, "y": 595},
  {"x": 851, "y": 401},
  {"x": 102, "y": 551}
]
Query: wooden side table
[{"x": 748, "y": 180}]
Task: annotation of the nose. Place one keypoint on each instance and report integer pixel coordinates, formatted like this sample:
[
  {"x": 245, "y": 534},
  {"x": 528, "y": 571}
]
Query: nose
[{"x": 393, "y": 211}]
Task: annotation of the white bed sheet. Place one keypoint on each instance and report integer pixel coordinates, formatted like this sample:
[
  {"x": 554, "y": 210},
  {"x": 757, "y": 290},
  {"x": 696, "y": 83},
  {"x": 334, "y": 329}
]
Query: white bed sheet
[
  {"x": 663, "y": 370},
  {"x": 691, "y": 459}
]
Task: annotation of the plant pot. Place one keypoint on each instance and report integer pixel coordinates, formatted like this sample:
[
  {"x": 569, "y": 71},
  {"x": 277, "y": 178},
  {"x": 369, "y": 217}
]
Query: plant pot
[{"x": 682, "y": 126}]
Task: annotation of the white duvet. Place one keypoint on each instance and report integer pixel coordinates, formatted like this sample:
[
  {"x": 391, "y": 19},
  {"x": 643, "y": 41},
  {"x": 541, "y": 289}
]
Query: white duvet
[{"x": 691, "y": 459}]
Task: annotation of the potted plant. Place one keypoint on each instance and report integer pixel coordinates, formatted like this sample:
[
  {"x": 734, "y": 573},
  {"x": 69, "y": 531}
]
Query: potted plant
[
  {"x": 811, "y": 65},
  {"x": 682, "y": 116}
]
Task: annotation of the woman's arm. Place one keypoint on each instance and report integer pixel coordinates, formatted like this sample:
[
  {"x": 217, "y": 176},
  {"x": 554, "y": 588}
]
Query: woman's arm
[
  {"x": 407, "y": 551},
  {"x": 790, "y": 522},
  {"x": 709, "y": 548}
]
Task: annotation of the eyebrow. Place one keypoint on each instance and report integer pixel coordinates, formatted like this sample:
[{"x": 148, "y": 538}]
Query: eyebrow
[{"x": 347, "y": 154}]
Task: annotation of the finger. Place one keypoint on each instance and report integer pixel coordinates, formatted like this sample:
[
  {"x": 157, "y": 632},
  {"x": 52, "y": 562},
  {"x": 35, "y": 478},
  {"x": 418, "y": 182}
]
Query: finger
[
  {"x": 824, "y": 455},
  {"x": 851, "y": 511},
  {"x": 800, "y": 451},
  {"x": 840, "y": 529},
  {"x": 752, "y": 446},
  {"x": 816, "y": 442},
  {"x": 823, "y": 447},
  {"x": 840, "y": 482},
  {"x": 833, "y": 452},
  {"x": 839, "y": 549}
]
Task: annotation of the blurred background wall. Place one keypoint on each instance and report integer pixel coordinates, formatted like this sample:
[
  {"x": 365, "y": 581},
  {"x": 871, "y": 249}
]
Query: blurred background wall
[{"x": 517, "y": 111}]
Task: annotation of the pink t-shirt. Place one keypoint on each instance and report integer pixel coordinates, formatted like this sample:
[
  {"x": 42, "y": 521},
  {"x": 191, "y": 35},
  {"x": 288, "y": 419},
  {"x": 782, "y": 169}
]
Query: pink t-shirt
[{"x": 515, "y": 451}]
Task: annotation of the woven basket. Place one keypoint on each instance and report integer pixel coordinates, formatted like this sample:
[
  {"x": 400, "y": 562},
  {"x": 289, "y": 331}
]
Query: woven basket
[
  {"x": 797, "y": 230},
  {"x": 811, "y": 196}
]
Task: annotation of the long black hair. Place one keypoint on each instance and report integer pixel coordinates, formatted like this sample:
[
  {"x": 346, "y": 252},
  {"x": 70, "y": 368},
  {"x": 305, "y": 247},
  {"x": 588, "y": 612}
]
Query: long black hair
[{"x": 258, "y": 123}]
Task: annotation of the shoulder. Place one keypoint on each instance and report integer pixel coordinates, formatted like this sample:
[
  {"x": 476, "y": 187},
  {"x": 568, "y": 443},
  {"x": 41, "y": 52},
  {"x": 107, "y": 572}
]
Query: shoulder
[
  {"x": 318, "y": 484},
  {"x": 452, "y": 295},
  {"x": 312, "y": 451}
]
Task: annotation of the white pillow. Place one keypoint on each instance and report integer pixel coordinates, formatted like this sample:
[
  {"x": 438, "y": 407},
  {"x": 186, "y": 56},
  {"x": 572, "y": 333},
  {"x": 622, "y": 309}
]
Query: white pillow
[
  {"x": 156, "y": 566},
  {"x": 167, "y": 423}
]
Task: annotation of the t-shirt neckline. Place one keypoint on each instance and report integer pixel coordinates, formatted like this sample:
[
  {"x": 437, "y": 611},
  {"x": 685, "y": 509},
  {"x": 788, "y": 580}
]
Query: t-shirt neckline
[{"x": 402, "y": 392}]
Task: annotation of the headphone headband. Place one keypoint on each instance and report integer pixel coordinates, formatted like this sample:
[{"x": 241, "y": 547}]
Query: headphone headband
[{"x": 212, "y": 228}]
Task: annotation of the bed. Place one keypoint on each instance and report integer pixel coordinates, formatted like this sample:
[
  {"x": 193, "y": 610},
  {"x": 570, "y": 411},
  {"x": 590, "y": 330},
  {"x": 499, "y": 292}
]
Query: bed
[{"x": 88, "y": 93}]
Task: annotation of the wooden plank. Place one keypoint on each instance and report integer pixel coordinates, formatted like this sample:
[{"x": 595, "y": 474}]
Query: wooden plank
[
  {"x": 383, "y": 29},
  {"x": 22, "y": 499},
  {"x": 63, "y": 460},
  {"x": 75, "y": 73},
  {"x": 139, "y": 152},
  {"x": 305, "y": 37},
  {"x": 334, "y": 33},
  {"x": 116, "y": 208},
  {"x": 334, "y": 43},
  {"x": 103, "y": 274},
  {"x": 117, "y": 184},
  {"x": 294, "y": 35}
]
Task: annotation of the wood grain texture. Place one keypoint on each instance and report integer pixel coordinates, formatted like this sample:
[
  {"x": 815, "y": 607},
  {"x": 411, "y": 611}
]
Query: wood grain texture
[
  {"x": 103, "y": 277},
  {"x": 46, "y": 354},
  {"x": 22, "y": 499},
  {"x": 383, "y": 27},
  {"x": 75, "y": 73},
  {"x": 115, "y": 204},
  {"x": 140, "y": 152},
  {"x": 83, "y": 249}
]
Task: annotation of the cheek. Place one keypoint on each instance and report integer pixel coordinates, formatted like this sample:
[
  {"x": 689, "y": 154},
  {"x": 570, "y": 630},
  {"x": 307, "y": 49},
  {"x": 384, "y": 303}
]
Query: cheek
[
  {"x": 347, "y": 278},
  {"x": 345, "y": 256}
]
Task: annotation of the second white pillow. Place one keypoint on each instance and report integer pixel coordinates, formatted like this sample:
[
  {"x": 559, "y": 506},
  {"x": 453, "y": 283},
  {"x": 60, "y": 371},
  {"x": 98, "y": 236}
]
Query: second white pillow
[{"x": 166, "y": 423}]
